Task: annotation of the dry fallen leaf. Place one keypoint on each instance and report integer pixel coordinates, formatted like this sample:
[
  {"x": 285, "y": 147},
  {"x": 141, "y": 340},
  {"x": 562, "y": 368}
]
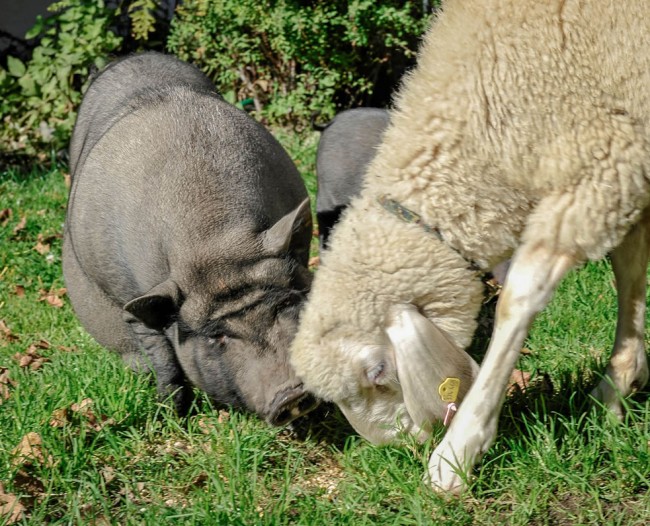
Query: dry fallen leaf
[
  {"x": 21, "y": 225},
  {"x": 82, "y": 413},
  {"x": 11, "y": 510},
  {"x": 82, "y": 407},
  {"x": 53, "y": 297},
  {"x": 31, "y": 357},
  {"x": 5, "y": 216},
  {"x": 108, "y": 474},
  {"x": 314, "y": 262},
  {"x": 42, "y": 248},
  {"x": 59, "y": 417},
  {"x": 66, "y": 349},
  {"x": 519, "y": 381},
  {"x": 19, "y": 291},
  {"x": 5, "y": 383},
  {"x": 6, "y": 334},
  {"x": 26, "y": 482},
  {"x": 30, "y": 451}
]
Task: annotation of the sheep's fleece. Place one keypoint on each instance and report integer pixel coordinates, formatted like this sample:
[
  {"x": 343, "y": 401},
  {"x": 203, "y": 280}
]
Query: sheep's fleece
[{"x": 523, "y": 132}]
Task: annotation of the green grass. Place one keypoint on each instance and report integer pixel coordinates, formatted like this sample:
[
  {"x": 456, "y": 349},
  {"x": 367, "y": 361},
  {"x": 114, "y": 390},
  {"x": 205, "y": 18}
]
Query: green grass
[{"x": 129, "y": 460}]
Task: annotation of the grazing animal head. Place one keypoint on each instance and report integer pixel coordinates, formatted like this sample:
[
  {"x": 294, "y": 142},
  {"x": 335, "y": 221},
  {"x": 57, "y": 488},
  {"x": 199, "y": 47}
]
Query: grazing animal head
[
  {"x": 367, "y": 341},
  {"x": 231, "y": 319}
]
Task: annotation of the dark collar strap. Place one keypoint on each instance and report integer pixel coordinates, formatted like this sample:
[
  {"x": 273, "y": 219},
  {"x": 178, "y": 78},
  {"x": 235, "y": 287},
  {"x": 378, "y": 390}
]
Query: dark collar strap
[
  {"x": 492, "y": 288},
  {"x": 409, "y": 216}
]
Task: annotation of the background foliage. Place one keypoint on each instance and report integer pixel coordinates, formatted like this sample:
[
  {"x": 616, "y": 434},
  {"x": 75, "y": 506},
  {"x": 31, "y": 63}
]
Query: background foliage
[
  {"x": 281, "y": 59},
  {"x": 292, "y": 57}
]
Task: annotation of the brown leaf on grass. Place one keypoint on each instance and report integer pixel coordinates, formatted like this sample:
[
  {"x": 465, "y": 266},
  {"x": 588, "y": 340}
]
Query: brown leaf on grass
[
  {"x": 26, "y": 482},
  {"x": 82, "y": 407},
  {"x": 11, "y": 510},
  {"x": 5, "y": 216},
  {"x": 82, "y": 414},
  {"x": 108, "y": 474},
  {"x": 67, "y": 179},
  {"x": 314, "y": 262},
  {"x": 30, "y": 451},
  {"x": 67, "y": 349},
  {"x": 223, "y": 417},
  {"x": 6, "y": 336},
  {"x": 31, "y": 357},
  {"x": 41, "y": 248},
  {"x": 53, "y": 297},
  {"x": 19, "y": 291},
  {"x": 206, "y": 426},
  {"x": 5, "y": 383},
  {"x": 59, "y": 417},
  {"x": 21, "y": 225},
  {"x": 519, "y": 381}
]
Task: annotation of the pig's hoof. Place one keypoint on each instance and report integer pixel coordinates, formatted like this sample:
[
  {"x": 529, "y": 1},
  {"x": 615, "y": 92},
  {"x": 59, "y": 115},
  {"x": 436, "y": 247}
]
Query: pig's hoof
[{"x": 179, "y": 396}]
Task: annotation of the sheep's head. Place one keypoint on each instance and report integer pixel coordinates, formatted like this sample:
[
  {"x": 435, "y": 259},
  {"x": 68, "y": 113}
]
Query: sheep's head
[{"x": 386, "y": 381}]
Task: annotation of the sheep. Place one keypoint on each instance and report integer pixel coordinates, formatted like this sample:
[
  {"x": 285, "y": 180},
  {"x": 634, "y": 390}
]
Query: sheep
[{"x": 522, "y": 132}]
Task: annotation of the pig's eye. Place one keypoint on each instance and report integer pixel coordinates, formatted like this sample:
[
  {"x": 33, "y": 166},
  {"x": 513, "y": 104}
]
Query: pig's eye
[{"x": 218, "y": 339}]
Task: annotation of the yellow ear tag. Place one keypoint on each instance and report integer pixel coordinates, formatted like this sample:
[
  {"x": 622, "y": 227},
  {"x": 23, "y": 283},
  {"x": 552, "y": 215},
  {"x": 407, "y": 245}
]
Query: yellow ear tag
[{"x": 448, "y": 389}]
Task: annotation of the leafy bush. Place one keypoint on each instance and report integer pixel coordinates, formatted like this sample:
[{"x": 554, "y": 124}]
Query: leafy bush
[
  {"x": 287, "y": 57},
  {"x": 291, "y": 57},
  {"x": 40, "y": 97}
]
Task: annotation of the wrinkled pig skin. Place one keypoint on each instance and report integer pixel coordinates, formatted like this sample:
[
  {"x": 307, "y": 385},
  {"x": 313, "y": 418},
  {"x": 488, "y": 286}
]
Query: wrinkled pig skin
[{"x": 187, "y": 237}]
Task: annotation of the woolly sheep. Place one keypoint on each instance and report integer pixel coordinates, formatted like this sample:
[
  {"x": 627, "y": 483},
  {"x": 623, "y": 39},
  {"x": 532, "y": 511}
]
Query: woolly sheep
[{"x": 523, "y": 133}]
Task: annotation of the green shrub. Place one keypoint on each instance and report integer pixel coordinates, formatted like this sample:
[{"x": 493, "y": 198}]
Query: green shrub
[
  {"x": 287, "y": 57},
  {"x": 40, "y": 97},
  {"x": 292, "y": 57}
]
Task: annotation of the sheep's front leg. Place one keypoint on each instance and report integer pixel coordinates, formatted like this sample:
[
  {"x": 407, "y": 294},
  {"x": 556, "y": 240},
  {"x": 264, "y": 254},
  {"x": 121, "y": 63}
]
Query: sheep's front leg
[
  {"x": 533, "y": 276},
  {"x": 628, "y": 368}
]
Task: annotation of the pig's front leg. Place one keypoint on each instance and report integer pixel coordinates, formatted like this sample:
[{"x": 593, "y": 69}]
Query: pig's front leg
[{"x": 160, "y": 357}]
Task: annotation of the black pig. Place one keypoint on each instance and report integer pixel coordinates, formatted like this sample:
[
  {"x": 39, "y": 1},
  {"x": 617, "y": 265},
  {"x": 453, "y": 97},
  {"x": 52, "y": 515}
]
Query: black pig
[
  {"x": 187, "y": 237},
  {"x": 347, "y": 145}
]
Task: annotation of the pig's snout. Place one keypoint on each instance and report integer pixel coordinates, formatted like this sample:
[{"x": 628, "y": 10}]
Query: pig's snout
[{"x": 289, "y": 404}]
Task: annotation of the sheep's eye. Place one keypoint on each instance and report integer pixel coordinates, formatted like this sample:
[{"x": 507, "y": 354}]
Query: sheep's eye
[{"x": 376, "y": 374}]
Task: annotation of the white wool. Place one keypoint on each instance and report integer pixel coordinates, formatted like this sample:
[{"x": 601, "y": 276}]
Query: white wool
[{"x": 524, "y": 121}]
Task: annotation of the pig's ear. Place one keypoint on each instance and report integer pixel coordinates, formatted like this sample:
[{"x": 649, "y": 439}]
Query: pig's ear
[
  {"x": 291, "y": 233},
  {"x": 156, "y": 309},
  {"x": 426, "y": 359}
]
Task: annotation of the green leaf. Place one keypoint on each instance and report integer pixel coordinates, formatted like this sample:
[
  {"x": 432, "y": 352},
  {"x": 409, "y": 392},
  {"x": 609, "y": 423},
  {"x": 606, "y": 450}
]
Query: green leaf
[
  {"x": 15, "y": 66},
  {"x": 27, "y": 83},
  {"x": 36, "y": 29}
]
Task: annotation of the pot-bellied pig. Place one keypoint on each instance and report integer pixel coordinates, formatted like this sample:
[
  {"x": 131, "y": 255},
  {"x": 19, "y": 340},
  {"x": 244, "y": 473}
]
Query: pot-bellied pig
[
  {"x": 346, "y": 147},
  {"x": 187, "y": 237}
]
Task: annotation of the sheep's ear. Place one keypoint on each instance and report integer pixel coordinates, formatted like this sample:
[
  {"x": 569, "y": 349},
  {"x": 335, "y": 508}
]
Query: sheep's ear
[{"x": 426, "y": 359}]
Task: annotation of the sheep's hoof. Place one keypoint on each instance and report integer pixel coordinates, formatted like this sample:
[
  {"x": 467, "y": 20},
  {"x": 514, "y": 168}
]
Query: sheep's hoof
[
  {"x": 609, "y": 398},
  {"x": 443, "y": 476}
]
